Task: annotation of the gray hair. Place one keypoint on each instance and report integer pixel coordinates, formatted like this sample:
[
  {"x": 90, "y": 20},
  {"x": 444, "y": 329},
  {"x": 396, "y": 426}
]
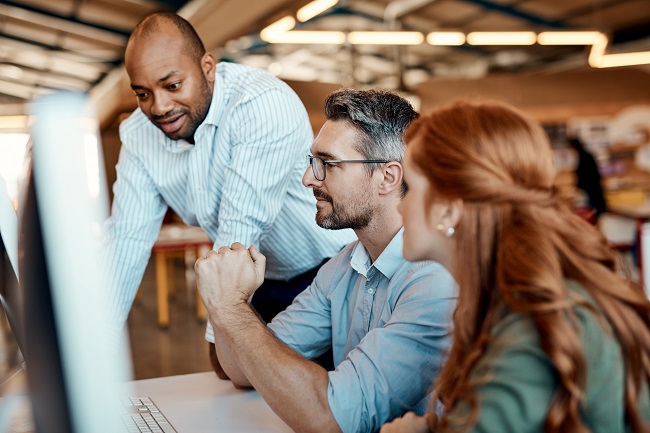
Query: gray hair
[{"x": 381, "y": 116}]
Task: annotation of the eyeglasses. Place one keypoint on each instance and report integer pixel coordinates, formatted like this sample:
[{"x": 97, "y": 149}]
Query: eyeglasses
[{"x": 318, "y": 164}]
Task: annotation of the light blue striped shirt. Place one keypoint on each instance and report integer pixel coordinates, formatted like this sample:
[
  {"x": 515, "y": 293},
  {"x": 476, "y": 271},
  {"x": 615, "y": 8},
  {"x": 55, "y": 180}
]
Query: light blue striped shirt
[
  {"x": 240, "y": 182},
  {"x": 389, "y": 326}
]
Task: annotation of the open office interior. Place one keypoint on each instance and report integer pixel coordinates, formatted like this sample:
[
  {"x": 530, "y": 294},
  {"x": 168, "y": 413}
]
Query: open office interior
[{"x": 581, "y": 68}]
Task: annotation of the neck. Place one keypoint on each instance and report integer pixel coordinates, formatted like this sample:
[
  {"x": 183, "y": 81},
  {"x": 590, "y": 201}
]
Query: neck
[{"x": 376, "y": 236}]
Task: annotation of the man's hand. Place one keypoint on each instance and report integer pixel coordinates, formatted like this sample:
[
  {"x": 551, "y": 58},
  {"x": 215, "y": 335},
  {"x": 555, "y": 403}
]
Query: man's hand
[
  {"x": 229, "y": 276},
  {"x": 409, "y": 423}
]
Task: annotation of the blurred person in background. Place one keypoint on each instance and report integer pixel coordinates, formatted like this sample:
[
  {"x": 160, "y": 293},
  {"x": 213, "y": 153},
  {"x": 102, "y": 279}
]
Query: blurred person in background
[{"x": 589, "y": 181}]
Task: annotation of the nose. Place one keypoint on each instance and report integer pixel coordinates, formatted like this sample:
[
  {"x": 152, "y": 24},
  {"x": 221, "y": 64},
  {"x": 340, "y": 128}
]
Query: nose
[
  {"x": 309, "y": 180},
  {"x": 161, "y": 105}
]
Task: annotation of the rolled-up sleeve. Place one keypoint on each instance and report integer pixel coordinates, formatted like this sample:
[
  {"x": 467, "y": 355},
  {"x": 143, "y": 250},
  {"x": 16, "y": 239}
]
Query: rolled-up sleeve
[{"x": 306, "y": 325}]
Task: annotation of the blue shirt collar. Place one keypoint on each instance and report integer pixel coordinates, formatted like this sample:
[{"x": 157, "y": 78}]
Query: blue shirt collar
[{"x": 387, "y": 262}]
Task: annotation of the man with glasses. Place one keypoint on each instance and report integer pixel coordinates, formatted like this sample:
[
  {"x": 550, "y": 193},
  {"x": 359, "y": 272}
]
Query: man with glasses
[{"x": 383, "y": 316}]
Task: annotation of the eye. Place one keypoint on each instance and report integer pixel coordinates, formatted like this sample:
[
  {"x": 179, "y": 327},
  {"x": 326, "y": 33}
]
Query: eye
[
  {"x": 141, "y": 95},
  {"x": 174, "y": 86}
]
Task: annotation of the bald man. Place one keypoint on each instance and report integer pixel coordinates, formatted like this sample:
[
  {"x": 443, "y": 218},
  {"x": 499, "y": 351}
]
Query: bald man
[{"x": 224, "y": 146}]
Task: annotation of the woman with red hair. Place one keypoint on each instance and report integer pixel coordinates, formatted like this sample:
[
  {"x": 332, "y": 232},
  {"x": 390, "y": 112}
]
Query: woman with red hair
[{"x": 547, "y": 335}]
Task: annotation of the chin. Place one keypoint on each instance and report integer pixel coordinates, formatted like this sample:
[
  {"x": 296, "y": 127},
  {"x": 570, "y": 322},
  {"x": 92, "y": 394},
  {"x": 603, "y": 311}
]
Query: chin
[
  {"x": 408, "y": 253},
  {"x": 412, "y": 253}
]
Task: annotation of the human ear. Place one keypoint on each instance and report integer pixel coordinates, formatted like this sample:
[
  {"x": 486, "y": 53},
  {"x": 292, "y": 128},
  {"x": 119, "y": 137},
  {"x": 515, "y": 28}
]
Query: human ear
[
  {"x": 445, "y": 216},
  {"x": 208, "y": 66},
  {"x": 450, "y": 213},
  {"x": 392, "y": 176}
]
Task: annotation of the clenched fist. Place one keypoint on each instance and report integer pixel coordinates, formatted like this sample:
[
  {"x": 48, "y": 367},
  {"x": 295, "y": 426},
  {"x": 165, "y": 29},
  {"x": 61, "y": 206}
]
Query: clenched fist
[{"x": 229, "y": 276}]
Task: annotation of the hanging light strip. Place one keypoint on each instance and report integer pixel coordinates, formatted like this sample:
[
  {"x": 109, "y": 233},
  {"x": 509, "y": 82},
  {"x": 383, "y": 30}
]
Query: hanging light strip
[
  {"x": 314, "y": 8},
  {"x": 501, "y": 38},
  {"x": 280, "y": 32},
  {"x": 446, "y": 38},
  {"x": 386, "y": 38},
  {"x": 567, "y": 38}
]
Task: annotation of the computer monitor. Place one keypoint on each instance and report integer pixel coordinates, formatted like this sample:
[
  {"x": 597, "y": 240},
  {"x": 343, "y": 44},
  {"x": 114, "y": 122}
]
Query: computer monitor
[{"x": 74, "y": 369}]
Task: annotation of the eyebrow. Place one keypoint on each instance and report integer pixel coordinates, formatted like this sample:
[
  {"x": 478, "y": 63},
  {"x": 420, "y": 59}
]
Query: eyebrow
[
  {"x": 324, "y": 155},
  {"x": 161, "y": 80}
]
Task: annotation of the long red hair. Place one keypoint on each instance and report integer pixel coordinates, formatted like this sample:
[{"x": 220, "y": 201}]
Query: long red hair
[{"x": 519, "y": 243}]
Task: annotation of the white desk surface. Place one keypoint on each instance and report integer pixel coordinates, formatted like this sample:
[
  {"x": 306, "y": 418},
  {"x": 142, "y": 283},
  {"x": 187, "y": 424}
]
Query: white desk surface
[{"x": 203, "y": 403}]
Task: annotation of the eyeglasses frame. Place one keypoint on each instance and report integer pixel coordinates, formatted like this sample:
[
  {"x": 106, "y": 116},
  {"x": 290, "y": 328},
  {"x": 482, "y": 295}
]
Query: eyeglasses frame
[{"x": 310, "y": 159}]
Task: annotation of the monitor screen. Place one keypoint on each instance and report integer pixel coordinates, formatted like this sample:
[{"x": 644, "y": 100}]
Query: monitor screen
[{"x": 73, "y": 369}]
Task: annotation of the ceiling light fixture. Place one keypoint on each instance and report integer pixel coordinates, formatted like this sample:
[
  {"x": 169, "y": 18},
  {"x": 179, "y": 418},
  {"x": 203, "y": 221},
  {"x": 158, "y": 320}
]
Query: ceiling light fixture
[
  {"x": 386, "y": 38},
  {"x": 280, "y": 33},
  {"x": 598, "y": 58},
  {"x": 306, "y": 37},
  {"x": 279, "y": 27},
  {"x": 501, "y": 38},
  {"x": 567, "y": 38},
  {"x": 446, "y": 38},
  {"x": 314, "y": 8}
]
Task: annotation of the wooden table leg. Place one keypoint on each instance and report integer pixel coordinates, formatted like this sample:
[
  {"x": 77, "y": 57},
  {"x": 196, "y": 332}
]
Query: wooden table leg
[
  {"x": 201, "y": 312},
  {"x": 162, "y": 289}
]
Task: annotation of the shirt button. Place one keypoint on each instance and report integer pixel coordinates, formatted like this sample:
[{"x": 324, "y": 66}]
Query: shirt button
[{"x": 371, "y": 291}]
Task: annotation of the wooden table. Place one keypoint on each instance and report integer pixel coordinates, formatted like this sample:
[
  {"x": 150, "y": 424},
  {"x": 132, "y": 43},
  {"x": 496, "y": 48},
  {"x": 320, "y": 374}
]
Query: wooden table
[{"x": 174, "y": 238}]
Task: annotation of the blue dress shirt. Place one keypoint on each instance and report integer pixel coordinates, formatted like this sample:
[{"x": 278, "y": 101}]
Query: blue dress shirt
[
  {"x": 241, "y": 182},
  {"x": 389, "y": 324}
]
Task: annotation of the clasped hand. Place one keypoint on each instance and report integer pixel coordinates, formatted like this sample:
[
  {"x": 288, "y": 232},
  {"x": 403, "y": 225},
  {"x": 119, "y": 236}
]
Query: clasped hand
[
  {"x": 409, "y": 423},
  {"x": 230, "y": 275}
]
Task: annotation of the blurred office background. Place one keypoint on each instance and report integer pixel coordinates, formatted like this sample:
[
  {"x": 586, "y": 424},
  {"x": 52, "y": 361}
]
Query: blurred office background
[{"x": 580, "y": 67}]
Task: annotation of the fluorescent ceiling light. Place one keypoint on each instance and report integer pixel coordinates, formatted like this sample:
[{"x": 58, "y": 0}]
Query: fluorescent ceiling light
[
  {"x": 307, "y": 37},
  {"x": 501, "y": 38},
  {"x": 314, "y": 8},
  {"x": 622, "y": 59},
  {"x": 598, "y": 48},
  {"x": 386, "y": 38},
  {"x": 567, "y": 38},
  {"x": 598, "y": 58},
  {"x": 446, "y": 38},
  {"x": 277, "y": 28}
]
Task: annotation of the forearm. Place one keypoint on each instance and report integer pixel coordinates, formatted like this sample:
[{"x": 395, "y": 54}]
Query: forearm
[
  {"x": 294, "y": 387},
  {"x": 225, "y": 361},
  {"x": 214, "y": 361}
]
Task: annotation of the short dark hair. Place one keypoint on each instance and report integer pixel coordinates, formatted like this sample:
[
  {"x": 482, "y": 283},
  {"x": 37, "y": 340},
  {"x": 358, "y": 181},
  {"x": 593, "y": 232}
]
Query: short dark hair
[{"x": 150, "y": 25}]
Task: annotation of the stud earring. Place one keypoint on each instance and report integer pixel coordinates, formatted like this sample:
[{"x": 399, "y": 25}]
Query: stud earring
[{"x": 448, "y": 232}]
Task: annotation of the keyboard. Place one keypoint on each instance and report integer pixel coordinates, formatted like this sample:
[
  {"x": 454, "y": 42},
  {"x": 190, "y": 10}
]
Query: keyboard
[{"x": 141, "y": 415}]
